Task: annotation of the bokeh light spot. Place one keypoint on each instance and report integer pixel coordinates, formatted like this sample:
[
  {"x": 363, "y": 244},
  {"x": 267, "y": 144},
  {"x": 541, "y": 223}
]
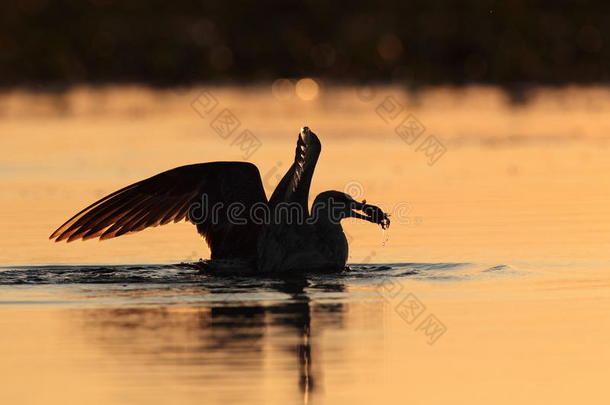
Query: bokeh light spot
[
  {"x": 307, "y": 89},
  {"x": 282, "y": 89},
  {"x": 389, "y": 47}
]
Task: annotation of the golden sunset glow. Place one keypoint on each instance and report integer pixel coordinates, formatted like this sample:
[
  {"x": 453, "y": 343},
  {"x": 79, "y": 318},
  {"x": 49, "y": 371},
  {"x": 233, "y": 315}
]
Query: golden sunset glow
[{"x": 517, "y": 205}]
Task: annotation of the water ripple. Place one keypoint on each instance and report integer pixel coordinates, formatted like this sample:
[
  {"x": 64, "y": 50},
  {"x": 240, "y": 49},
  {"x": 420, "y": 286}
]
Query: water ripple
[{"x": 190, "y": 273}]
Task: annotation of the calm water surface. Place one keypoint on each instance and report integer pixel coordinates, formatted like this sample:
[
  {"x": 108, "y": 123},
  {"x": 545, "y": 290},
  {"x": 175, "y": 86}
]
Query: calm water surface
[{"x": 169, "y": 334}]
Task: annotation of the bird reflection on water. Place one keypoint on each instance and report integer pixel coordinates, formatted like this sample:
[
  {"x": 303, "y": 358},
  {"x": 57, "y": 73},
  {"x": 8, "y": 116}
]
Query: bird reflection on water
[{"x": 229, "y": 335}]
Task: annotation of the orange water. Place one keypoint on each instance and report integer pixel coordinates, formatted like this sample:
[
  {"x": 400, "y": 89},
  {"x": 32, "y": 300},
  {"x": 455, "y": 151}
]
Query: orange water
[{"x": 523, "y": 186}]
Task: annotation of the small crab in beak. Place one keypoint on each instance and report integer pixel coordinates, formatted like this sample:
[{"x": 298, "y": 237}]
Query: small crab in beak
[{"x": 372, "y": 213}]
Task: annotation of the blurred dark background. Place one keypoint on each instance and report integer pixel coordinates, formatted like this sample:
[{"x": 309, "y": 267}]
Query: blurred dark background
[{"x": 429, "y": 42}]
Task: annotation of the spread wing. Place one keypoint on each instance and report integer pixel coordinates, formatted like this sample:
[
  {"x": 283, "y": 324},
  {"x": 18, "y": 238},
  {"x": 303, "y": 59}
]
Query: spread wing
[
  {"x": 186, "y": 192},
  {"x": 294, "y": 186}
]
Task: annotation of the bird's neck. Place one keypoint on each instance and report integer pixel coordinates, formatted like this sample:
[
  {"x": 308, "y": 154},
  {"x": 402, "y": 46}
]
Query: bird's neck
[
  {"x": 333, "y": 242},
  {"x": 325, "y": 224}
]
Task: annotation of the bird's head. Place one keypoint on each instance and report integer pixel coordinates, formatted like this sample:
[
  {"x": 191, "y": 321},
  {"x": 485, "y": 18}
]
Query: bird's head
[{"x": 337, "y": 205}]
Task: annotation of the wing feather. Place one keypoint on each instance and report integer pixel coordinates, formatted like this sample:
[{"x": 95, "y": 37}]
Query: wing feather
[
  {"x": 167, "y": 197},
  {"x": 294, "y": 186}
]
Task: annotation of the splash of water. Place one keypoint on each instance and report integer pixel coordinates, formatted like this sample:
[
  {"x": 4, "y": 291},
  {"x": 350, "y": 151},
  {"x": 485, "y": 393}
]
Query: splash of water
[{"x": 384, "y": 236}]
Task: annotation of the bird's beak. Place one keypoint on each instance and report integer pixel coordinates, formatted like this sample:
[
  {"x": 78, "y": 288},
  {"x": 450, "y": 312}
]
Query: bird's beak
[{"x": 372, "y": 214}]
